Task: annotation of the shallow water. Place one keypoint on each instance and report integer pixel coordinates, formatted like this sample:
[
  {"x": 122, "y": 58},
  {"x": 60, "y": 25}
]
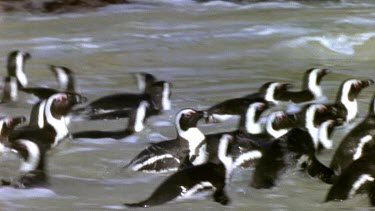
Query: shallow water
[{"x": 210, "y": 52}]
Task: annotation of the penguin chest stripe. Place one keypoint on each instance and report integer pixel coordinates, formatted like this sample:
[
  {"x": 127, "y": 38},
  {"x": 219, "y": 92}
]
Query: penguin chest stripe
[
  {"x": 252, "y": 155},
  {"x": 361, "y": 144},
  {"x": 361, "y": 181},
  {"x": 154, "y": 160},
  {"x": 186, "y": 193}
]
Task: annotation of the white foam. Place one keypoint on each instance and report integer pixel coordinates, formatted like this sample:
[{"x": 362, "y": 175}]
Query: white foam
[
  {"x": 342, "y": 43},
  {"x": 9, "y": 193}
]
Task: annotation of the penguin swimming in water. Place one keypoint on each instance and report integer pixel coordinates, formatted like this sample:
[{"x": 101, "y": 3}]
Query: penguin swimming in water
[
  {"x": 122, "y": 105},
  {"x": 135, "y": 124},
  {"x": 185, "y": 183},
  {"x": 346, "y": 104},
  {"x": 7, "y": 125},
  {"x": 50, "y": 123},
  {"x": 65, "y": 78},
  {"x": 168, "y": 155},
  {"x": 33, "y": 155},
  {"x": 232, "y": 107},
  {"x": 357, "y": 178},
  {"x": 285, "y": 152},
  {"x": 311, "y": 89},
  {"x": 355, "y": 143}
]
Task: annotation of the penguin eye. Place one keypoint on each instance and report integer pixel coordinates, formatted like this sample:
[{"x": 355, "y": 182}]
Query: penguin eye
[{"x": 188, "y": 115}]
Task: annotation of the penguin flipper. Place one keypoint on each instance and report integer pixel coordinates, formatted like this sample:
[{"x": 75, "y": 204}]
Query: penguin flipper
[{"x": 316, "y": 169}]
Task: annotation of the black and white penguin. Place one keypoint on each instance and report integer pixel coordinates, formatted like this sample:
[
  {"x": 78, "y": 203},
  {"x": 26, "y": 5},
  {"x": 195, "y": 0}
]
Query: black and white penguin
[
  {"x": 7, "y": 125},
  {"x": 356, "y": 142},
  {"x": 65, "y": 79},
  {"x": 33, "y": 163},
  {"x": 135, "y": 124},
  {"x": 50, "y": 127},
  {"x": 311, "y": 89},
  {"x": 168, "y": 155},
  {"x": 312, "y": 116},
  {"x": 346, "y": 100},
  {"x": 325, "y": 132},
  {"x": 247, "y": 139},
  {"x": 10, "y": 90},
  {"x": 278, "y": 123},
  {"x": 285, "y": 152},
  {"x": 15, "y": 66},
  {"x": 234, "y": 107},
  {"x": 122, "y": 105},
  {"x": 185, "y": 183},
  {"x": 357, "y": 178}
]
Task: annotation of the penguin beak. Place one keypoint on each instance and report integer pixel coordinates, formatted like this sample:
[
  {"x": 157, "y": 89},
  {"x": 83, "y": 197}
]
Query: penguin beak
[
  {"x": 324, "y": 72},
  {"x": 27, "y": 56},
  {"x": 366, "y": 83}
]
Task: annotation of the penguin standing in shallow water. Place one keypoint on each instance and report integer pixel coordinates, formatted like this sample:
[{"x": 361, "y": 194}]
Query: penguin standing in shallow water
[
  {"x": 185, "y": 183},
  {"x": 356, "y": 142},
  {"x": 169, "y": 155}
]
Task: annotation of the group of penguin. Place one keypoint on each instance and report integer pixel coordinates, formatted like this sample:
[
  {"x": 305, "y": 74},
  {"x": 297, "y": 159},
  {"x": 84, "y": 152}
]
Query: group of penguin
[{"x": 269, "y": 138}]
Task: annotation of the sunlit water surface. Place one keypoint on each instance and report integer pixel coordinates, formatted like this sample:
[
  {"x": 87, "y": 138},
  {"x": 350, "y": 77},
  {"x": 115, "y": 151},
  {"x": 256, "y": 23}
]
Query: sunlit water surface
[{"x": 210, "y": 52}]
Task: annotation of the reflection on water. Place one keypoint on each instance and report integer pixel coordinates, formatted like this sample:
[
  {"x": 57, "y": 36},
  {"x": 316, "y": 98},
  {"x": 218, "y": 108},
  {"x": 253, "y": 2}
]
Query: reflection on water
[{"x": 210, "y": 52}]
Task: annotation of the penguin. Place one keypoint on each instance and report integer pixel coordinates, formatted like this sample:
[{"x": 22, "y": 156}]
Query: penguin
[
  {"x": 32, "y": 153},
  {"x": 278, "y": 123},
  {"x": 122, "y": 105},
  {"x": 355, "y": 143},
  {"x": 7, "y": 124},
  {"x": 66, "y": 81},
  {"x": 168, "y": 155},
  {"x": 325, "y": 132},
  {"x": 185, "y": 183},
  {"x": 312, "y": 116},
  {"x": 245, "y": 139},
  {"x": 135, "y": 124},
  {"x": 15, "y": 66},
  {"x": 10, "y": 90},
  {"x": 285, "y": 152},
  {"x": 311, "y": 89},
  {"x": 357, "y": 178},
  {"x": 232, "y": 107},
  {"x": 144, "y": 81},
  {"x": 51, "y": 126},
  {"x": 346, "y": 99}
]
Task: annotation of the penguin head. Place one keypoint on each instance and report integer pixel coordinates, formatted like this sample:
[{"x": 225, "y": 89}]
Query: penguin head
[
  {"x": 283, "y": 120},
  {"x": 314, "y": 76},
  {"x": 187, "y": 118},
  {"x": 61, "y": 104},
  {"x": 350, "y": 89},
  {"x": 63, "y": 76},
  {"x": 272, "y": 90}
]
